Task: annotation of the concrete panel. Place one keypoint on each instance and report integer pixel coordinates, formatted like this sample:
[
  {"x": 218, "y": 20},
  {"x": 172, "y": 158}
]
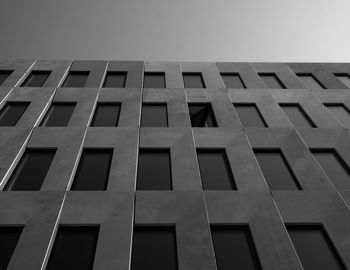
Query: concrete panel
[
  {"x": 172, "y": 70},
  {"x": 19, "y": 70},
  {"x": 134, "y": 71}
]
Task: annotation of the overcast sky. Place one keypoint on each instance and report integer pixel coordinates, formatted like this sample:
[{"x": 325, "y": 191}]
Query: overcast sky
[{"x": 183, "y": 30}]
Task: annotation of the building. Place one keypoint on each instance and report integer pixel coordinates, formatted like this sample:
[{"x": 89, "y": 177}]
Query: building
[{"x": 166, "y": 165}]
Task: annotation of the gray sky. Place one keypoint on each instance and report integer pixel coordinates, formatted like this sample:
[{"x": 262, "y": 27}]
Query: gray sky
[{"x": 184, "y": 30}]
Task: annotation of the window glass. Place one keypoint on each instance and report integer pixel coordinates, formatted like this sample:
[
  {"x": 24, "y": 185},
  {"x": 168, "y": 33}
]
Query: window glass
[
  {"x": 193, "y": 80},
  {"x": 344, "y": 78},
  {"x": 272, "y": 81},
  {"x": 154, "y": 115},
  {"x": 310, "y": 81},
  {"x": 36, "y": 79},
  {"x": 12, "y": 112},
  {"x": 115, "y": 79},
  {"x": 9, "y": 237},
  {"x": 297, "y": 115},
  {"x": 202, "y": 115},
  {"x": 154, "y": 80},
  {"x": 341, "y": 113},
  {"x": 249, "y": 115},
  {"x": 233, "y": 80},
  {"x": 59, "y": 114},
  {"x": 4, "y": 74},
  {"x": 106, "y": 115},
  {"x": 76, "y": 79}
]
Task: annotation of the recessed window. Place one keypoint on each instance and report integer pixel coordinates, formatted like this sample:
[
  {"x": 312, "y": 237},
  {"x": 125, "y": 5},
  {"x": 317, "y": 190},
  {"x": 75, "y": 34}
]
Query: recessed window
[
  {"x": 233, "y": 80},
  {"x": 249, "y": 115},
  {"x": 9, "y": 237},
  {"x": 74, "y": 248},
  {"x": 193, "y": 80},
  {"x": 154, "y": 115},
  {"x": 310, "y": 81},
  {"x": 12, "y": 112},
  {"x": 297, "y": 115},
  {"x": 4, "y": 74},
  {"x": 276, "y": 170},
  {"x": 36, "y": 79},
  {"x": 31, "y": 170},
  {"x": 215, "y": 170},
  {"x": 76, "y": 79},
  {"x": 115, "y": 79},
  {"x": 344, "y": 78},
  {"x": 340, "y": 112},
  {"x": 154, "y": 170},
  {"x": 154, "y": 80},
  {"x": 93, "y": 170},
  {"x": 58, "y": 114},
  {"x": 202, "y": 115},
  {"x": 154, "y": 247},
  {"x": 234, "y": 248},
  {"x": 106, "y": 115},
  {"x": 314, "y": 248},
  {"x": 272, "y": 81}
]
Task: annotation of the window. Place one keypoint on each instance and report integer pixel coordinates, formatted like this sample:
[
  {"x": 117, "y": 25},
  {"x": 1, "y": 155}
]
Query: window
[
  {"x": 310, "y": 81},
  {"x": 276, "y": 171},
  {"x": 344, "y": 78},
  {"x": 340, "y": 112},
  {"x": 202, "y": 115},
  {"x": 272, "y": 81},
  {"x": 314, "y": 248},
  {"x": 12, "y": 112},
  {"x": 9, "y": 237},
  {"x": 154, "y": 247},
  {"x": 106, "y": 115},
  {"x": 215, "y": 170},
  {"x": 59, "y": 114},
  {"x": 76, "y": 79},
  {"x": 31, "y": 170},
  {"x": 93, "y": 170},
  {"x": 154, "y": 80},
  {"x": 115, "y": 79},
  {"x": 234, "y": 248},
  {"x": 233, "y": 80},
  {"x": 154, "y": 115},
  {"x": 4, "y": 74},
  {"x": 249, "y": 115},
  {"x": 74, "y": 248},
  {"x": 154, "y": 170},
  {"x": 297, "y": 115},
  {"x": 334, "y": 166},
  {"x": 36, "y": 79},
  {"x": 193, "y": 80}
]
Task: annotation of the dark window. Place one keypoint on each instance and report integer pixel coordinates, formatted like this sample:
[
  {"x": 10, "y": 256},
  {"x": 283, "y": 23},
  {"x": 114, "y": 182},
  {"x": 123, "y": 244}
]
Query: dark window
[
  {"x": 297, "y": 115},
  {"x": 9, "y": 237},
  {"x": 154, "y": 115},
  {"x": 344, "y": 78},
  {"x": 233, "y": 80},
  {"x": 116, "y": 79},
  {"x": 106, "y": 115},
  {"x": 36, "y": 79},
  {"x": 215, "y": 170},
  {"x": 31, "y": 170},
  {"x": 314, "y": 248},
  {"x": 12, "y": 112},
  {"x": 74, "y": 248},
  {"x": 334, "y": 166},
  {"x": 234, "y": 248},
  {"x": 76, "y": 79},
  {"x": 340, "y": 112},
  {"x": 4, "y": 74},
  {"x": 154, "y": 247},
  {"x": 193, "y": 80},
  {"x": 154, "y": 170},
  {"x": 59, "y": 114},
  {"x": 154, "y": 80},
  {"x": 276, "y": 171},
  {"x": 272, "y": 81},
  {"x": 310, "y": 81},
  {"x": 93, "y": 170},
  {"x": 202, "y": 115},
  {"x": 249, "y": 115}
]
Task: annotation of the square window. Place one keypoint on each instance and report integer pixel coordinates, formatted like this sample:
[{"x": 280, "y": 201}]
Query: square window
[
  {"x": 154, "y": 115},
  {"x": 58, "y": 114},
  {"x": 9, "y": 237},
  {"x": 310, "y": 81},
  {"x": 76, "y": 79},
  {"x": 4, "y": 74},
  {"x": 154, "y": 80},
  {"x": 36, "y": 78},
  {"x": 202, "y": 115},
  {"x": 272, "y": 81},
  {"x": 106, "y": 114},
  {"x": 193, "y": 80},
  {"x": 249, "y": 115},
  {"x": 341, "y": 113},
  {"x": 12, "y": 112},
  {"x": 344, "y": 78},
  {"x": 115, "y": 79},
  {"x": 233, "y": 80},
  {"x": 297, "y": 115}
]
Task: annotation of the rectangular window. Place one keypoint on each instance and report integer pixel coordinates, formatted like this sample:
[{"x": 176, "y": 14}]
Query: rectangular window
[
  {"x": 233, "y": 80},
  {"x": 314, "y": 248},
  {"x": 154, "y": 115},
  {"x": 344, "y": 78},
  {"x": 154, "y": 247},
  {"x": 36, "y": 78},
  {"x": 154, "y": 80},
  {"x": 12, "y": 112},
  {"x": 93, "y": 170},
  {"x": 193, "y": 80},
  {"x": 310, "y": 81},
  {"x": 76, "y": 79},
  {"x": 234, "y": 248},
  {"x": 115, "y": 79},
  {"x": 74, "y": 248},
  {"x": 58, "y": 114},
  {"x": 4, "y": 74},
  {"x": 202, "y": 115},
  {"x": 106, "y": 115},
  {"x": 154, "y": 170},
  {"x": 31, "y": 170},
  {"x": 9, "y": 237},
  {"x": 249, "y": 115},
  {"x": 215, "y": 170},
  {"x": 276, "y": 170},
  {"x": 340, "y": 112},
  {"x": 297, "y": 115},
  {"x": 272, "y": 81}
]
